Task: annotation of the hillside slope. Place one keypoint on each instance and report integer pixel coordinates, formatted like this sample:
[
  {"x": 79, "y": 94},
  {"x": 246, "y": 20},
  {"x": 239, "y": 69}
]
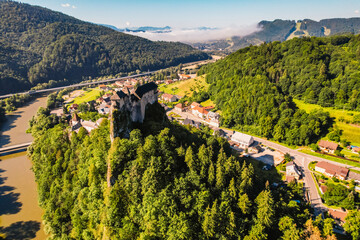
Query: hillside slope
[
  {"x": 280, "y": 30},
  {"x": 54, "y": 46},
  {"x": 254, "y": 86}
]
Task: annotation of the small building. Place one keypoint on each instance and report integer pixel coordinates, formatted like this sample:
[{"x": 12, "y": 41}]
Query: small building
[
  {"x": 201, "y": 112},
  {"x": 74, "y": 107},
  {"x": 103, "y": 87},
  {"x": 356, "y": 150},
  {"x": 327, "y": 146},
  {"x": 244, "y": 140},
  {"x": 219, "y": 132},
  {"x": 332, "y": 170},
  {"x": 104, "y": 109},
  {"x": 292, "y": 170},
  {"x": 76, "y": 123},
  {"x": 168, "y": 97},
  {"x": 195, "y": 104},
  {"x": 338, "y": 215},
  {"x": 192, "y": 123},
  {"x": 214, "y": 118},
  {"x": 169, "y": 82},
  {"x": 184, "y": 77},
  {"x": 179, "y": 107}
]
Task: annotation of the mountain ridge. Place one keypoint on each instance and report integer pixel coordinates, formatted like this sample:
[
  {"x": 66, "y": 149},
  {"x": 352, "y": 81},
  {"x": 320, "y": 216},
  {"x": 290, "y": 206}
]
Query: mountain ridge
[
  {"x": 55, "y": 46},
  {"x": 280, "y": 30}
]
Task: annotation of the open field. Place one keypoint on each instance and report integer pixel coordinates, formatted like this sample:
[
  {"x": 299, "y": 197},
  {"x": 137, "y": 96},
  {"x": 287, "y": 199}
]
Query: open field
[
  {"x": 350, "y": 132},
  {"x": 207, "y": 103},
  {"x": 87, "y": 96},
  {"x": 183, "y": 88}
]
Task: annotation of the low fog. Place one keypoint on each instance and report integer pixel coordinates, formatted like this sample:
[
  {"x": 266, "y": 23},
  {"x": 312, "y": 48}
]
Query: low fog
[{"x": 198, "y": 35}]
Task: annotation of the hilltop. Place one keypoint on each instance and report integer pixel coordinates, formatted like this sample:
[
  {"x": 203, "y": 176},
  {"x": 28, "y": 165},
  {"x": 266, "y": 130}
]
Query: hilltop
[
  {"x": 39, "y": 45},
  {"x": 282, "y": 30}
]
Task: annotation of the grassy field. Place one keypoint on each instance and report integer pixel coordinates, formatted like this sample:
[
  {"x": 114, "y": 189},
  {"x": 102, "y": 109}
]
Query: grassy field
[
  {"x": 184, "y": 87},
  {"x": 207, "y": 103},
  {"x": 350, "y": 132},
  {"x": 88, "y": 96}
]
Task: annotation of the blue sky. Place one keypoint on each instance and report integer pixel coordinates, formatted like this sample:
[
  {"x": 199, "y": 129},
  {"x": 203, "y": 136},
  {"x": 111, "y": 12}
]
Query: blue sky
[{"x": 195, "y": 13}]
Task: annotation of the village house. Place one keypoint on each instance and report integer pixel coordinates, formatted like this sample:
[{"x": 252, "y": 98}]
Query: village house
[
  {"x": 192, "y": 123},
  {"x": 199, "y": 111},
  {"x": 104, "y": 109},
  {"x": 332, "y": 170},
  {"x": 292, "y": 170},
  {"x": 338, "y": 215},
  {"x": 136, "y": 101},
  {"x": 119, "y": 83},
  {"x": 214, "y": 118},
  {"x": 356, "y": 150},
  {"x": 73, "y": 107},
  {"x": 327, "y": 146},
  {"x": 184, "y": 77},
  {"x": 76, "y": 123},
  {"x": 179, "y": 107},
  {"x": 219, "y": 132},
  {"x": 195, "y": 104},
  {"x": 168, "y": 97},
  {"x": 242, "y": 139},
  {"x": 169, "y": 82},
  {"x": 104, "y": 87}
]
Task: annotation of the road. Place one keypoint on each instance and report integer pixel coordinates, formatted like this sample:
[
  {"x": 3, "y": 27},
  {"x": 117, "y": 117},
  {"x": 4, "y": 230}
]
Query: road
[
  {"x": 79, "y": 85},
  {"x": 301, "y": 159}
]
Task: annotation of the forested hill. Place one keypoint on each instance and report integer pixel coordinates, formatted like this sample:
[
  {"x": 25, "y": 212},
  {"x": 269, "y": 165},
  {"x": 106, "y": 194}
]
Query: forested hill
[
  {"x": 254, "y": 86},
  {"x": 38, "y": 45},
  {"x": 173, "y": 183}
]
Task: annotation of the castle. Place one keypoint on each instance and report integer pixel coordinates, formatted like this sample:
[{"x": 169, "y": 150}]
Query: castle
[{"x": 135, "y": 102}]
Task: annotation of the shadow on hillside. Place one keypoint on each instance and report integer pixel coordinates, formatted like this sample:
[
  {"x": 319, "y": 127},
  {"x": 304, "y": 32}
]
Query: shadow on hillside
[
  {"x": 21, "y": 230},
  {"x": 9, "y": 203}
]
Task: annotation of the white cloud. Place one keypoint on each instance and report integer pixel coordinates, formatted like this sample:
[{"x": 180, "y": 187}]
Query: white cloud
[
  {"x": 127, "y": 24},
  {"x": 356, "y": 11},
  {"x": 197, "y": 35},
  {"x": 73, "y": 6},
  {"x": 66, "y": 5}
]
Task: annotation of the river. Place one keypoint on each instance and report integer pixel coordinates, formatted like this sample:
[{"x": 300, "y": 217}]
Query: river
[{"x": 20, "y": 213}]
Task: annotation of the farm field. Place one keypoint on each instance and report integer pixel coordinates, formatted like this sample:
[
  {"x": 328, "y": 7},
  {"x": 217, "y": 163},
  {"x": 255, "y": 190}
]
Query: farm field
[
  {"x": 349, "y": 131},
  {"x": 87, "y": 96},
  {"x": 183, "y": 88}
]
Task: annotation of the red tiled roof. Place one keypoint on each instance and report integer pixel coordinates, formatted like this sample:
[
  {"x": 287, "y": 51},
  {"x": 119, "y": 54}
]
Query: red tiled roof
[
  {"x": 179, "y": 105},
  {"x": 332, "y": 169},
  {"x": 201, "y": 110},
  {"x": 167, "y": 95},
  {"x": 194, "y": 104},
  {"x": 328, "y": 145},
  {"x": 337, "y": 214}
]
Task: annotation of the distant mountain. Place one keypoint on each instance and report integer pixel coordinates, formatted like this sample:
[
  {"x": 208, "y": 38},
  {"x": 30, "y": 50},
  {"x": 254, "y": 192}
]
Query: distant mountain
[
  {"x": 281, "y": 30},
  {"x": 139, "y": 29},
  {"x": 38, "y": 45}
]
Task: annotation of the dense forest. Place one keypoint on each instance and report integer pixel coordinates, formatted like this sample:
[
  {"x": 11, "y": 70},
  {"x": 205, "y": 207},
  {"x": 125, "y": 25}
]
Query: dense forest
[
  {"x": 174, "y": 182},
  {"x": 254, "y": 87},
  {"x": 39, "y": 45}
]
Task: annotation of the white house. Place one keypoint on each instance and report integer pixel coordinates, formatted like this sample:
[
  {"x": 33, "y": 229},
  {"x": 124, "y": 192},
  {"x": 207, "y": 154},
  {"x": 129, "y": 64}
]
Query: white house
[
  {"x": 242, "y": 139},
  {"x": 292, "y": 170}
]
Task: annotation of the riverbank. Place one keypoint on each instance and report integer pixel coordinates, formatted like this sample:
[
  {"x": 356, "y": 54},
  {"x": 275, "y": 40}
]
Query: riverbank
[
  {"x": 19, "y": 210},
  {"x": 13, "y": 130}
]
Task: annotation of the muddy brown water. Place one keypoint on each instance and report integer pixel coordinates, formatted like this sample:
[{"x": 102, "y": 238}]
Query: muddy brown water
[
  {"x": 20, "y": 213},
  {"x": 13, "y": 130}
]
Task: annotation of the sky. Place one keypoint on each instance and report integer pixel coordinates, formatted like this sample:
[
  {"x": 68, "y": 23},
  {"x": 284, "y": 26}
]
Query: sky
[{"x": 237, "y": 15}]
